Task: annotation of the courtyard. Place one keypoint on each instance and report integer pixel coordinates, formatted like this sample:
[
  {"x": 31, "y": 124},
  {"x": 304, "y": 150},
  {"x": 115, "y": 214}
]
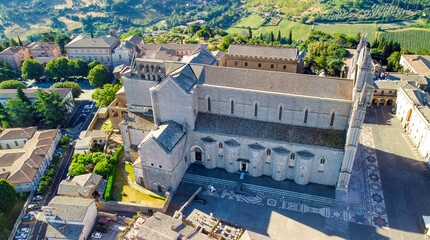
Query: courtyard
[{"x": 386, "y": 199}]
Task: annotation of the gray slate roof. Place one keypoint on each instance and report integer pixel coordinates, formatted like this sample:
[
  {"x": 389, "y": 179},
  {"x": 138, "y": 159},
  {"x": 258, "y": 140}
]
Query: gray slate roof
[
  {"x": 63, "y": 231},
  {"x": 262, "y": 51},
  {"x": 85, "y": 41},
  {"x": 17, "y": 133},
  {"x": 168, "y": 135},
  {"x": 80, "y": 186},
  {"x": 70, "y": 208},
  {"x": 232, "y": 126},
  {"x": 31, "y": 93}
]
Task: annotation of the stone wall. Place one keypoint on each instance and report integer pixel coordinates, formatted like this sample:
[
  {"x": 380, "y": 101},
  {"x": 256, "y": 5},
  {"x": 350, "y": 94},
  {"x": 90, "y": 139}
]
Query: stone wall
[{"x": 132, "y": 207}]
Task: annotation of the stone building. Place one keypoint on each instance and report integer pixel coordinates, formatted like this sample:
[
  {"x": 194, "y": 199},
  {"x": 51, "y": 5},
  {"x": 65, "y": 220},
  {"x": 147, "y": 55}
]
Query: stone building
[
  {"x": 43, "y": 52},
  {"x": 413, "y": 111},
  {"x": 283, "y": 125},
  {"x": 418, "y": 64},
  {"x": 270, "y": 58},
  {"x": 89, "y": 49},
  {"x": 15, "y": 56}
]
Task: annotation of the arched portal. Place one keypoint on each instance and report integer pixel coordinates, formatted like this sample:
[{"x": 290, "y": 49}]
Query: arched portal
[{"x": 196, "y": 153}]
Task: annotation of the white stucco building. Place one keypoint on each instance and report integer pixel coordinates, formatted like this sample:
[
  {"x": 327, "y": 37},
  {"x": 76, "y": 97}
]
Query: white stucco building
[
  {"x": 70, "y": 218},
  {"x": 283, "y": 125},
  {"x": 413, "y": 111}
]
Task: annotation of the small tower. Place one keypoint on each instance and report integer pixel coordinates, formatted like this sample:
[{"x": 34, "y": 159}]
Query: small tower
[{"x": 361, "y": 75}]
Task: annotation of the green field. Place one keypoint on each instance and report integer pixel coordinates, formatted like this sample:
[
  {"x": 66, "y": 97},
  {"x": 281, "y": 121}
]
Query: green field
[
  {"x": 348, "y": 29},
  {"x": 253, "y": 20},
  {"x": 300, "y": 31},
  {"x": 412, "y": 39}
]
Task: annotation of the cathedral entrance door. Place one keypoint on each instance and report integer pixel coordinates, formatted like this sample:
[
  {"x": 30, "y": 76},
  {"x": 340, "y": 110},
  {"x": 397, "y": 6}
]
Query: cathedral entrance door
[
  {"x": 243, "y": 166},
  {"x": 198, "y": 155}
]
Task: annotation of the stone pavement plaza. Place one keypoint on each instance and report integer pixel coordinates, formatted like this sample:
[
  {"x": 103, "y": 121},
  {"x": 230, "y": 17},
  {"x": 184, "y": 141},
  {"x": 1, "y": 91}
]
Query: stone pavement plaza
[{"x": 386, "y": 198}]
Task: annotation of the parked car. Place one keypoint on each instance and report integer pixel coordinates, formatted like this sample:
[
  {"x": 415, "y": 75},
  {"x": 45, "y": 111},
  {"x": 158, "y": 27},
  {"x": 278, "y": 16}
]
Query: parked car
[
  {"x": 199, "y": 200},
  {"x": 88, "y": 106},
  {"x": 33, "y": 206},
  {"x": 211, "y": 188},
  {"x": 23, "y": 230},
  {"x": 21, "y": 236},
  {"x": 27, "y": 218},
  {"x": 38, "y": 198},
  {"x": 97, "y": 235},
  {"x": 86, "y": 110},
  {"x": 83, "y": 115}
]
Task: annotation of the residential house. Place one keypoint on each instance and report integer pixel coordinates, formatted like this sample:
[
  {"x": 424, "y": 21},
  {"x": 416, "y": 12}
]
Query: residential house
[
  {"x": 88, "y": 185},
  {"x": 89, "y": 49},
  {"x": 123, "y": 53},
  {"x": 26, "y": 155},
  {"x": 15, "y": 56},
  {"x": 43, "y": 52},
  {"x": 70, "y": 218}
]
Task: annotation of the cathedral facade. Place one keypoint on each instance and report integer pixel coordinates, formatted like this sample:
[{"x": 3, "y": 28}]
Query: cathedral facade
[{"x": 284, "y": 125}]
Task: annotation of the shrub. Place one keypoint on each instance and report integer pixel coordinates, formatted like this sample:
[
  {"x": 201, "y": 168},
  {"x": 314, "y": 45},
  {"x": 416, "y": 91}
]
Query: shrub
[
  {"x": 76, "y": 90},
  {"x": 12, "y": 84},
  {"x": 65, "y": 139},
  {"x": 108, "y": 190}
]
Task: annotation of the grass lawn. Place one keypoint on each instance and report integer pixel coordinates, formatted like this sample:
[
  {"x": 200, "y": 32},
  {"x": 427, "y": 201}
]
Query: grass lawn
[
  {"x": 13, "y": 213},
  {"x": 253, "y": 20},
  {"x": 130, "y": 171},
  {"x": 16, "y": 30},
  {"x": 131, "y": 194},
  {"x": 70, "y": 24},
  {"x": 107, "y": 126},
  {"x": 348, "y": 29}
]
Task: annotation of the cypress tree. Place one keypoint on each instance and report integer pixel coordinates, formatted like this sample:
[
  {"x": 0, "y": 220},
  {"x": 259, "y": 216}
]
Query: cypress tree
[
  {"x": 272, "y": 38},
  {"x": 279, "y": 36},
  {"x": 21, "y": 95},
  {"x": 31, "y": 39},
  {"x": 19, "y": 41},
  {"x": 261, "y": 36},
  {"x": 290, "y": 38},
  {"x": 249, "y": 32},
  {"x": 92, "y": 35}
]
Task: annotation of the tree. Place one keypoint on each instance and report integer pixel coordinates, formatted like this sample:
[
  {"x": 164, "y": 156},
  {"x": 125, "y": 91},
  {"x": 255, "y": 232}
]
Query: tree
[
  {"x": 290, "y": 38},
  {"x": 19, "y": 42},
  {"x": 76, "y": 90},
  {"x": 62, "y": 39},
  {"x": 249, "y": 32},
  {"x": 4, "y": 117},
  {"x": 13, "y": 42},
  {"x": 76, "y": 169},
  {"x": 105, "y": 96},
  {"x": 7, "y": 195},
  {"x": 12, "y": 84},
  {"x": 20, "y": 112},
  {"x": 49, "y": 105},
  {"x": 21, "y": 95},
  {"x": 58, "y": 68},
  {"x": 102, "y": 168},
  {"x": 193, "y": 28},
  {"x": 31, "y": 69},
  {"x": 98, "y": 76},
  {"x": 78, "y": 67},
  {"x": 394, "y": 62},
  {"x": 261, "y": 36},
  {"x": 278, "y": 39},
  {"x": 203, "y": 34},
  {"x": 272, "y": 38},
  {"x": 92, "y": 64}
]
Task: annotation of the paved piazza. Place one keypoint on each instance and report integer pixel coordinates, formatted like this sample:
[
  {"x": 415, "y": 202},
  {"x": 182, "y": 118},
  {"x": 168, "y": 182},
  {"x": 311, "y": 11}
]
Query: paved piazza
[{"x": 315, "y": 209}]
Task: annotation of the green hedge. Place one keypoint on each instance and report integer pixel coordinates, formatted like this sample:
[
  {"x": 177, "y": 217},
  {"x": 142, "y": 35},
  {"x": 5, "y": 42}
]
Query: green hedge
[
  {"x": 111, "y": 177},
  {"x": 109, "y": 184}
]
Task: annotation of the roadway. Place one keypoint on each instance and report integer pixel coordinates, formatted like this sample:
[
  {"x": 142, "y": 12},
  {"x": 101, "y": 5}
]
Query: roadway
[{"x": 73, "y": 127}]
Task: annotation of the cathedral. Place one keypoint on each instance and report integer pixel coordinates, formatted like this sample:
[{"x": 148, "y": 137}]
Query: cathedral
[{"x": 284, "y": 125}]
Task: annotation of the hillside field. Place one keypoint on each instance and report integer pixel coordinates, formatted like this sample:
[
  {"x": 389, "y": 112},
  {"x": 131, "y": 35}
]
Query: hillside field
[{"x": 413, "y": 39}]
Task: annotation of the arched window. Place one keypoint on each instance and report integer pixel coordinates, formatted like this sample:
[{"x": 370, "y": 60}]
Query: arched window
[
  {"x": 255, "y": 109},
  {"x": 305, "y": 118},
  {"x": 292, "y": 160},
  {"x": 280, "y": 113},
  {"x": 332, "y": 119},
  {"x": 220, "y": 145},
  {"x": 209, "y": 104},
  {"x": 7, "y": 146},
  {"x": 231, "y": 107},
  {"x": 269, "y": 152},
  {"x": 322, "y": 165}
]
